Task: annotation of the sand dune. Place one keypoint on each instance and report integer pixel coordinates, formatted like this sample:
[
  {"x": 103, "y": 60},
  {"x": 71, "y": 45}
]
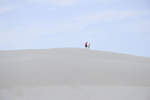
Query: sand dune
[{"x": 73, "y": 74}]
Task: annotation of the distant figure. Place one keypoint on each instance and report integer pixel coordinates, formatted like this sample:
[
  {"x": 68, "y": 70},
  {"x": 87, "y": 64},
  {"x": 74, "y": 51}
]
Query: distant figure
[
  {"x": 89, "y": 45},
  {"x": 86, "y": 44}
]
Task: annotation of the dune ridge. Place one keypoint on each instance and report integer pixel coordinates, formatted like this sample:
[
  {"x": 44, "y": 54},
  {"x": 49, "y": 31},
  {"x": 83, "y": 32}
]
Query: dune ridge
[{"x": 75, "y": 69}]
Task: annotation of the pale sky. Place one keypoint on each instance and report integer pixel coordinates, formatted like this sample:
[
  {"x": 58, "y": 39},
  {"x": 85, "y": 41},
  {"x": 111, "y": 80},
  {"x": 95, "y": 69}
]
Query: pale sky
[{"x": 121, "y": 26}]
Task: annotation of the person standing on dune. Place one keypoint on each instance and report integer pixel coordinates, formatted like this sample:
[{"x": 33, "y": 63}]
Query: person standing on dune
[
  {"x": 89, "y": 45},
  {"x": 86, "y": 44}
]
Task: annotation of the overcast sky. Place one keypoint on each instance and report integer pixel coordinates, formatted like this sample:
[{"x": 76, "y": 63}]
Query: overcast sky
[{"x": 110, "y": 25}]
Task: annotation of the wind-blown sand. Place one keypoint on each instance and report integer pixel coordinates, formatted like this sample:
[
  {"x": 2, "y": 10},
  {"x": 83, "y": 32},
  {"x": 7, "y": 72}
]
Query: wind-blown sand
[{"x": 73, "y": 74}]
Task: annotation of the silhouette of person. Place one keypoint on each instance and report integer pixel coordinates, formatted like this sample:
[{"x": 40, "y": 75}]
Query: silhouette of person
[{"x": 86, "y": 44}]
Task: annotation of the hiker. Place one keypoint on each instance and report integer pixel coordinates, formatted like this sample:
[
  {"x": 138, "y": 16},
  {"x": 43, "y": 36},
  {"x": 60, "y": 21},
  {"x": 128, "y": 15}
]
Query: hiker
[{"x": 86, "y": 44}]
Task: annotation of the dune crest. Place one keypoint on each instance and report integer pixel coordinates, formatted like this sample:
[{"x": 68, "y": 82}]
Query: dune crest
[{"x": 68, "y": 69}]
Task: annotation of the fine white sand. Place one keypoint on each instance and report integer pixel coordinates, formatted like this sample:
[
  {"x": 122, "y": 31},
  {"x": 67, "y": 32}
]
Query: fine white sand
[{"x": 73, "y": 74}]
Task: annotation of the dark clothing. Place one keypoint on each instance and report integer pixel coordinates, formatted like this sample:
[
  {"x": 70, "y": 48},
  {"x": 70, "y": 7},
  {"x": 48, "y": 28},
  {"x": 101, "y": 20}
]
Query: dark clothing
[{"x": 86, "y": 44}]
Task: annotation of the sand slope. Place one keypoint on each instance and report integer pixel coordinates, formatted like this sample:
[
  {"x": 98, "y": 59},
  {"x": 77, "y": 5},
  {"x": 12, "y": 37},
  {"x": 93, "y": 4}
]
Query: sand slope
[{"x": 73, "y": 74}]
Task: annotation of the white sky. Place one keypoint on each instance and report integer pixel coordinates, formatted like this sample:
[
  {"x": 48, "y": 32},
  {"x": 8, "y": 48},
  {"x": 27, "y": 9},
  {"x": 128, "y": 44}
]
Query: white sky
[{"x": 110, "y": 25}]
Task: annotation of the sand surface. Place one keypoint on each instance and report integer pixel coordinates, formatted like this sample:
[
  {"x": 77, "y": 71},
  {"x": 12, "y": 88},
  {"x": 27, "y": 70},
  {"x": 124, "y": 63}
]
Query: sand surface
[{"x": 73, "y": 74}]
